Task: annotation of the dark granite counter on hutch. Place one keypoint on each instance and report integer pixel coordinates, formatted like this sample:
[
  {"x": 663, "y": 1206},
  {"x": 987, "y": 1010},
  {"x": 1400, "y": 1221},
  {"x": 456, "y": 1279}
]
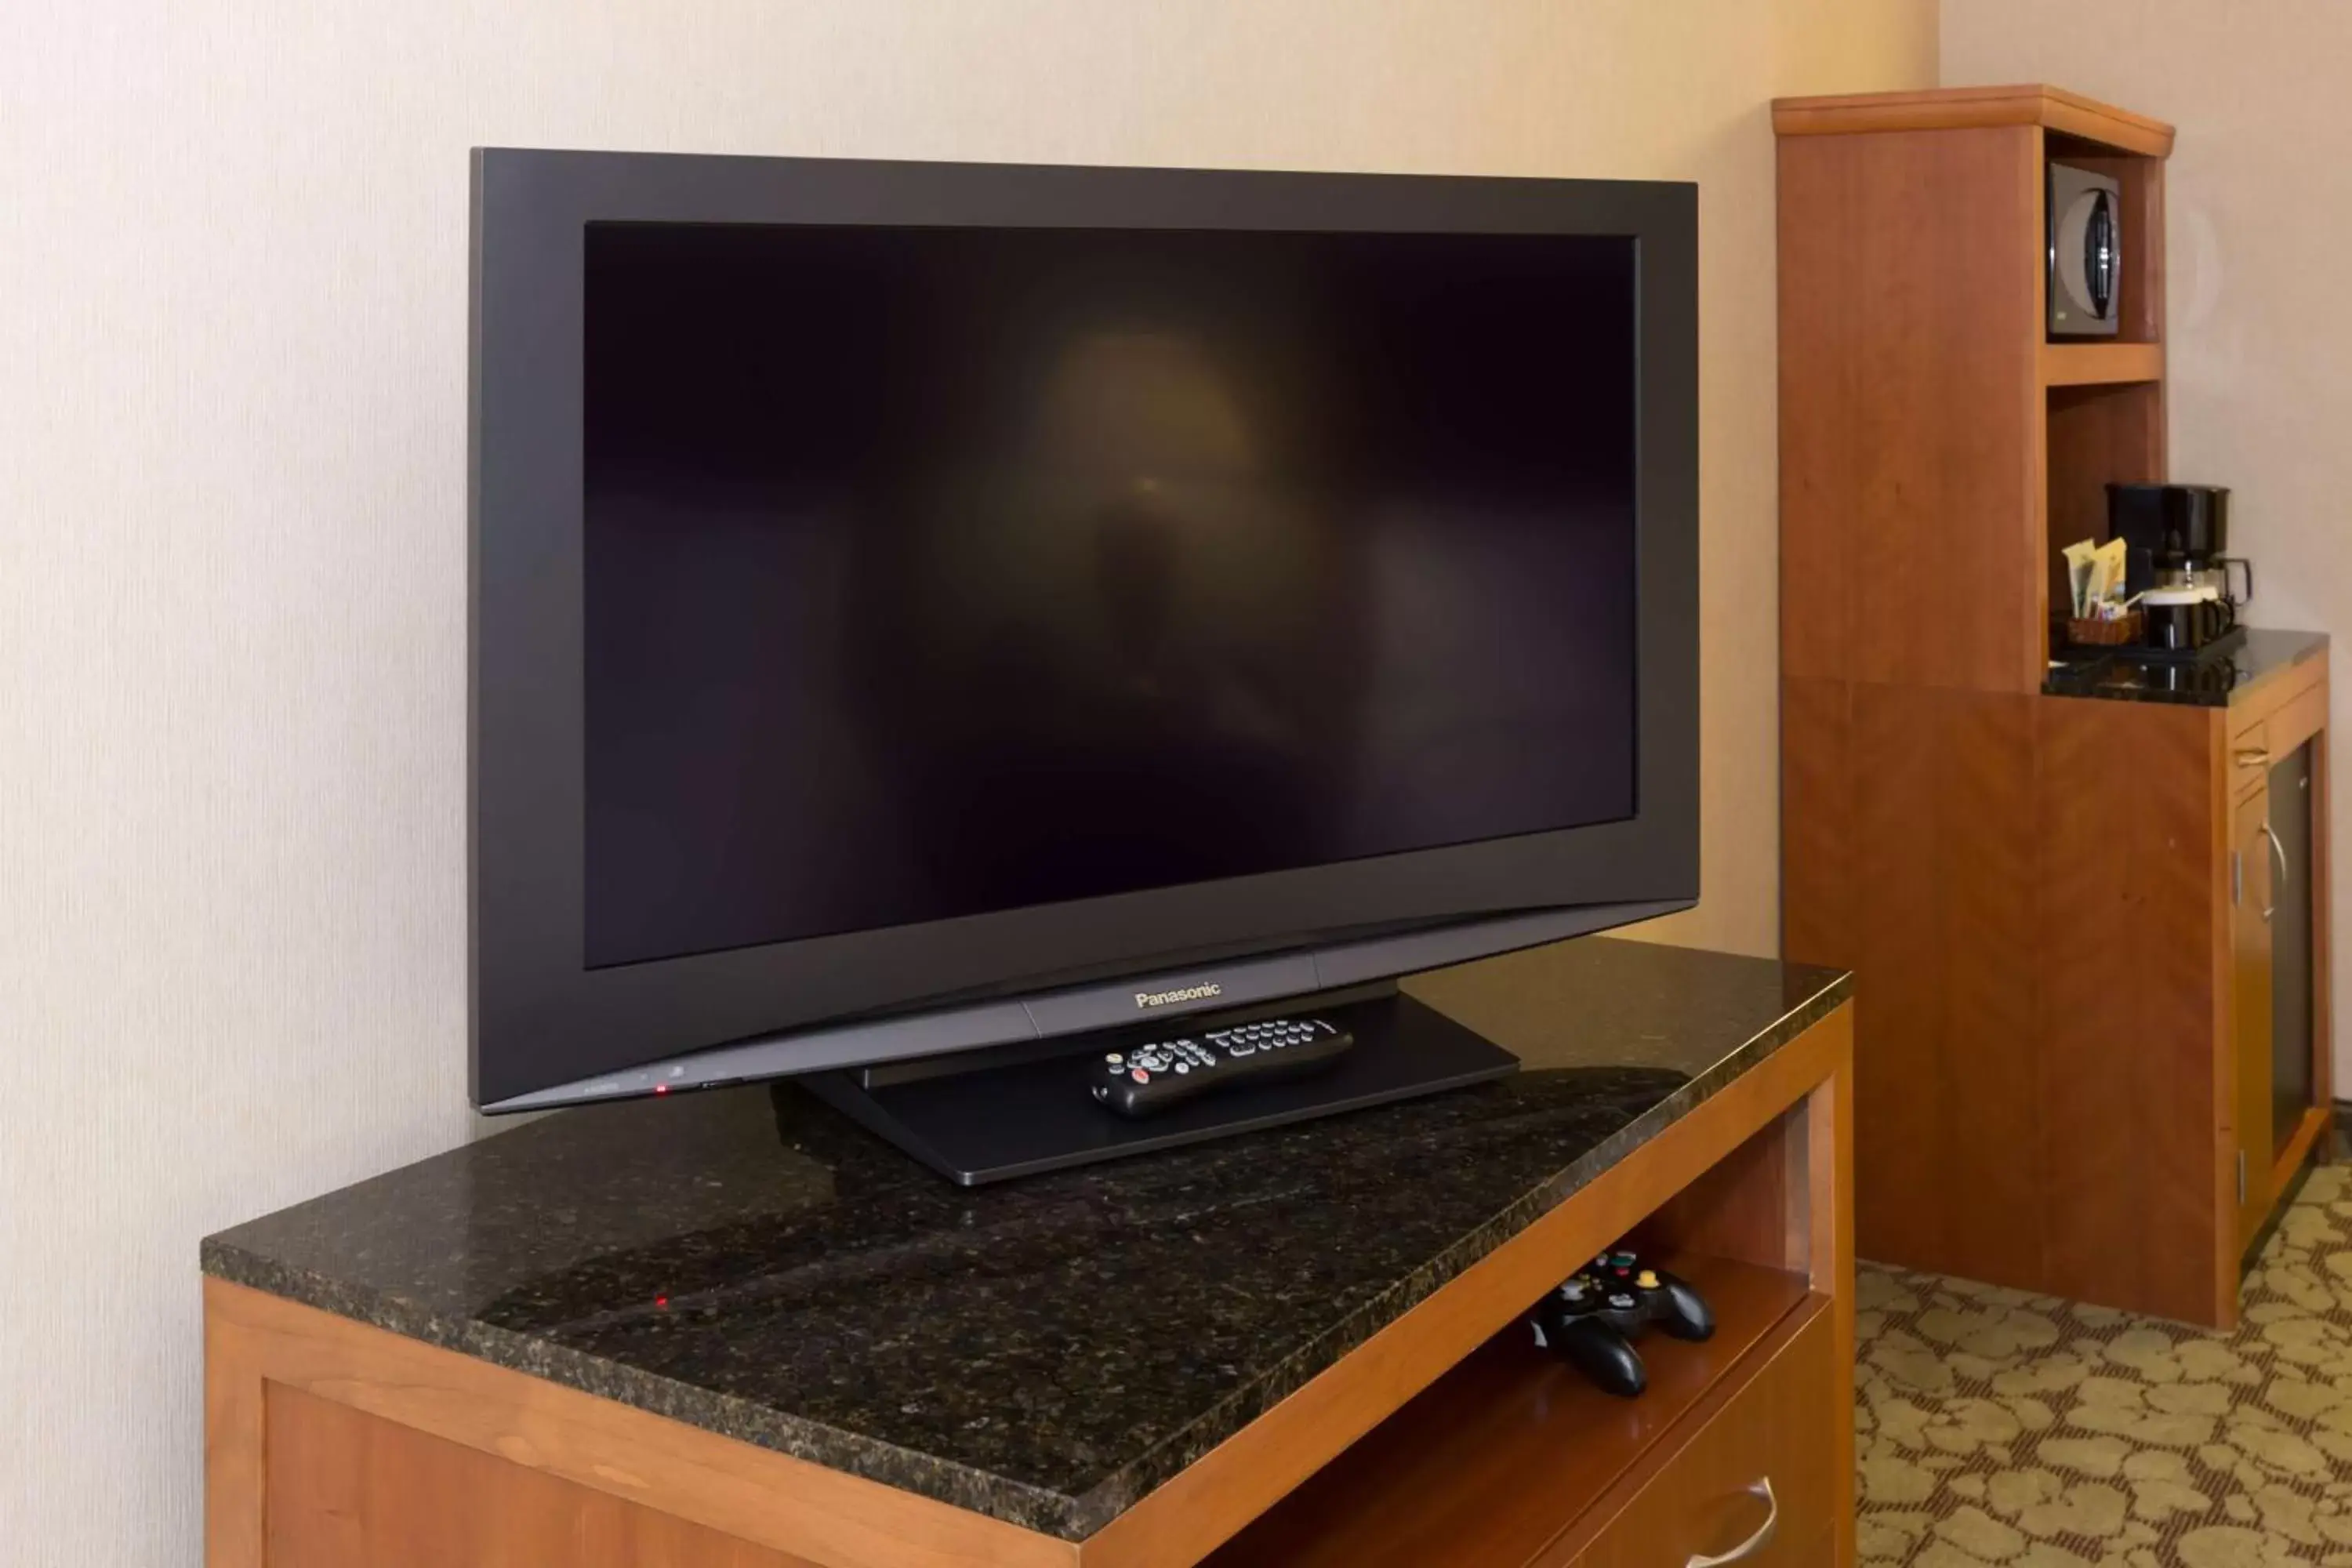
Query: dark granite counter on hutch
[
  {"x": 1046, "y": 1352},
  {"x": 2220, "y": 682}
]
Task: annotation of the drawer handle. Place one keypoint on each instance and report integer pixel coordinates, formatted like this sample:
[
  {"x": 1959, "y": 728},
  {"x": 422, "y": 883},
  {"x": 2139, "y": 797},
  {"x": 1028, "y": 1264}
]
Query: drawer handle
[
  {"x": 2278, "y": 854},
  {"x": 2253, "y": 756},
  {"x": 1754, "y": 1543}
]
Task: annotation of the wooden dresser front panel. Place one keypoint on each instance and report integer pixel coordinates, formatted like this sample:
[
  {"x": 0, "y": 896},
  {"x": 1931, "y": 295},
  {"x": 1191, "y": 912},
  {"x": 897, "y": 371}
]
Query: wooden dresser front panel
[
  {"x": 1907, "y": 843},
  {"x": 1709, "y": 1499},
  {"x": 348, "y": 1489},
  {"x": 1910, "y": 333}
]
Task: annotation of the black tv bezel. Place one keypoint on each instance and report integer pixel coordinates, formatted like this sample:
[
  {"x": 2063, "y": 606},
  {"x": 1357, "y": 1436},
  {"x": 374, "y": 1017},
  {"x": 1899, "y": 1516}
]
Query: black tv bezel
[{"x": 540, "y": 1017}]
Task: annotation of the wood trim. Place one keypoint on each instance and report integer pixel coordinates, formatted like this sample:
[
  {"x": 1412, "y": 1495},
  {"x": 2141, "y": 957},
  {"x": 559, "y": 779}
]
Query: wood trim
[
  {"x": 2299, "y": 1145},
  {"x": 2100, "y": 365},
  {"x": 234, "y": 1390},
  {"x": 1965, "y": 107},
  {"x": 2221, "y": 922},
  {"x": 768, "y": 1498},
  {"x": 2322, "y": 953},
  {"x": 1829, "y": 1229},
  {"x": 1243, "y": 1476},
  {"x": 2300, "y": 718}
]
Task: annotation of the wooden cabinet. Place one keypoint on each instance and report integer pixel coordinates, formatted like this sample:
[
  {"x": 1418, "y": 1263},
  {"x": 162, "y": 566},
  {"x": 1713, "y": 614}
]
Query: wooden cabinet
[{"x": 2075, "y": 1022}]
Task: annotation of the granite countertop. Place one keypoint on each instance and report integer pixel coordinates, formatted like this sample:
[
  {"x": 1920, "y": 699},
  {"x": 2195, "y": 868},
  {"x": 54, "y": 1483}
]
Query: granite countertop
[
  {"x": 2215, "y": 683},
  {"x": 1047, "y": 1350}
]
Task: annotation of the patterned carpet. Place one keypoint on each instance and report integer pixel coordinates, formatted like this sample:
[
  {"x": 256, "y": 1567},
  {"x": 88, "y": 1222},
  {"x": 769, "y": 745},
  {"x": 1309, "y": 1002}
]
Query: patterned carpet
[{"x": 2000, "y": 1428}]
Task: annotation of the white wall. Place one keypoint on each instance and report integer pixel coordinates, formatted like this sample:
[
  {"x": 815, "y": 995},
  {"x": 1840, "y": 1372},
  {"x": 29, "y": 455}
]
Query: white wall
[
  {"x": 2259, "y": 329},
  {"x": 232, "y": 341}
]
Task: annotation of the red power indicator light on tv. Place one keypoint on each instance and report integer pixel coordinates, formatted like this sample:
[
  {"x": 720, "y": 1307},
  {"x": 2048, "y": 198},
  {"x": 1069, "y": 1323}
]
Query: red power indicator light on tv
[
  {"x": 661, "y": 1089},
  {"x": 662, "y": 1302}
]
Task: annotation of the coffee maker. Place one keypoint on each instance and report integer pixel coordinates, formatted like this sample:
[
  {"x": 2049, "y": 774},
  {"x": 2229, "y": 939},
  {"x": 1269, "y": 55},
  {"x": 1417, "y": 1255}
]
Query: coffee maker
[{"x": 2176, "y": 566}]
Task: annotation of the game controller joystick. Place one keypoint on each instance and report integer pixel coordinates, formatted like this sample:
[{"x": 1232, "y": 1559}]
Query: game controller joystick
[{"x": 1591, "y": 1320}]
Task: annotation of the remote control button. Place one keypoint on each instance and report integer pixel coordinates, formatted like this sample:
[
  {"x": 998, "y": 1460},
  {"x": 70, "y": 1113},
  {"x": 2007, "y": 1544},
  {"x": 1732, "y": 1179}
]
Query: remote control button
[
  {"x": 1622, "y": 1301},
  {"x": 1225, "y": 1058},
  {"x": 1648, "y": 1280}
]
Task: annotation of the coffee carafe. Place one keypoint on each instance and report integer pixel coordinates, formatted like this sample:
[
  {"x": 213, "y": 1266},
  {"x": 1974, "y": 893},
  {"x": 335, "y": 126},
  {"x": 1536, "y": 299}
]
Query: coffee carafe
[{"x": 2177, "y": 564}]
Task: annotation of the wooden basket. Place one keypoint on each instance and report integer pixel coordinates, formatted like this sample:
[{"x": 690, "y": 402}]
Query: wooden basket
[{"x": 2125, "y": 629}]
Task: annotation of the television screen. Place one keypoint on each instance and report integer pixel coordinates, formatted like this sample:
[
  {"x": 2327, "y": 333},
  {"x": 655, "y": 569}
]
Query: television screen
[{"x": 934, "y": 572}]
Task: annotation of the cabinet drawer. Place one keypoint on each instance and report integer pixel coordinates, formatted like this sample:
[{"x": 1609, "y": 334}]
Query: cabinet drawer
[
  {"x": 2256, "y": 748},
  {"x": 2284, "y": 714},
  {"x": 2248, "y": 762},
  {"x": 1780, "y": 1428}
]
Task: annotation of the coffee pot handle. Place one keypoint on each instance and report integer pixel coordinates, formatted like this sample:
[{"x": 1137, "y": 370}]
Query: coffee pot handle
[{"x": 2225, "y": 563}]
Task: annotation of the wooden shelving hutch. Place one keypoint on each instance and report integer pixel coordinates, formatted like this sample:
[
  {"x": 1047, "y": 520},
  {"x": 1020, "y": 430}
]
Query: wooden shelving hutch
[{"x": 2034, "y": 891}]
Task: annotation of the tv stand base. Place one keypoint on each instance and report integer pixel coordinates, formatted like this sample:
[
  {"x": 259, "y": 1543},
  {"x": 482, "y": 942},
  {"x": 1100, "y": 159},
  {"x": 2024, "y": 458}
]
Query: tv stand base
[{"x": 1020, "y": 1117}]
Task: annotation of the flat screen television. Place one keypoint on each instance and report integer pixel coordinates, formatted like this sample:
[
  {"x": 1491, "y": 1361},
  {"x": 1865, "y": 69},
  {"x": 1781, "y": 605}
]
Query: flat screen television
[{"x": 924, "y": 607}]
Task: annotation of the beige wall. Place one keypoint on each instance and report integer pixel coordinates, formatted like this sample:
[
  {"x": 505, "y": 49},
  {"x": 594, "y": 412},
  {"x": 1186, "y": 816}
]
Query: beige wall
[
  {"x": 2260, "y": 221},
  {"x": 232, "y": 340}
]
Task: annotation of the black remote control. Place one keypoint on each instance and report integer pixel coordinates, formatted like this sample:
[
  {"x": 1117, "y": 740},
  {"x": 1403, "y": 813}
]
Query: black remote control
[{"x": 1151, "y": 1078}]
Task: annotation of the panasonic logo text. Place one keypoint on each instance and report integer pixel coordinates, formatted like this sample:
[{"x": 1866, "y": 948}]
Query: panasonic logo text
[{"x": 1189, "y": 993}]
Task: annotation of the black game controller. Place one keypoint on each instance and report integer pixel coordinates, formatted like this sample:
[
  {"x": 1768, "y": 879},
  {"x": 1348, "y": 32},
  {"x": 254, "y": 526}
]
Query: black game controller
[{"x": 1591, "y": 1320}]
